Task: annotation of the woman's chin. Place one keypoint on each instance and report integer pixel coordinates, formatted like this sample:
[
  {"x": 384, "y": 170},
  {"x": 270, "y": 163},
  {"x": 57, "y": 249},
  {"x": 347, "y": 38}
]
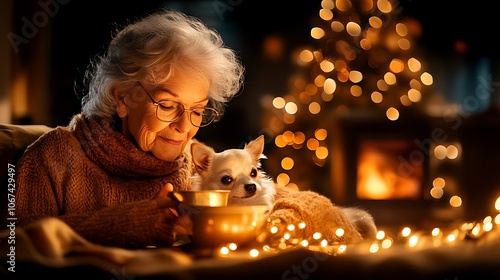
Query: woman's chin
[{"x": 166, "y": 156}]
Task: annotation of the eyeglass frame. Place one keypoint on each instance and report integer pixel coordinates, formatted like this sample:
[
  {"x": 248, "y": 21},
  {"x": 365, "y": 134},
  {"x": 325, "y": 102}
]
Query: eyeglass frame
[{"x": 178, "y": 116}]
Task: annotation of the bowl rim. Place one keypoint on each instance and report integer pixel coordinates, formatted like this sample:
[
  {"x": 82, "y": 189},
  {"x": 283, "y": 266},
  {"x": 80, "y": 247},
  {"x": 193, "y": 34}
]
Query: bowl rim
[
  {"x": 245, "y": 209},
  {"x": 202, "y": 191}
]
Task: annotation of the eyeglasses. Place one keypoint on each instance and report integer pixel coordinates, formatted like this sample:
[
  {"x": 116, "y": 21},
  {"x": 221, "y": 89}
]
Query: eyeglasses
[{"x": 171, "y": 111}]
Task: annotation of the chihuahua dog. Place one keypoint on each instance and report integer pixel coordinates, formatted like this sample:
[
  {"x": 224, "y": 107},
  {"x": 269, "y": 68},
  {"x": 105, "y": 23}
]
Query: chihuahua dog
[{"x": 239, "y": 170}]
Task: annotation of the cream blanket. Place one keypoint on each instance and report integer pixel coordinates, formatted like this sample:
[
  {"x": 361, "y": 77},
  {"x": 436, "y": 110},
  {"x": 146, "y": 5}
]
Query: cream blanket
[{"x": 53, "y": 245}]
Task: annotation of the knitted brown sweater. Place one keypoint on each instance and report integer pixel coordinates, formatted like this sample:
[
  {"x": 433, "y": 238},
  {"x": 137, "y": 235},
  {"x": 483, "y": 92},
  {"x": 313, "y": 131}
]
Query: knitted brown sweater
[
  {"x": 98, "y": 182},
  {"x": 102, "y": 185}
]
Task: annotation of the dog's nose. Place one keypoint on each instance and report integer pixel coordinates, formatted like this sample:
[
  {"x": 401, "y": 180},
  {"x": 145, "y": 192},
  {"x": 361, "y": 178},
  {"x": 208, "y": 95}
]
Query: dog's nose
[{"x": 251, "y": 188}]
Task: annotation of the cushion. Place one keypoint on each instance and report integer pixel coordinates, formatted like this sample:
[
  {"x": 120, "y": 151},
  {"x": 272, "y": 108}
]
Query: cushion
[
  {"x": 13, "y": 141},
  {"x": 15, "y": 138}
]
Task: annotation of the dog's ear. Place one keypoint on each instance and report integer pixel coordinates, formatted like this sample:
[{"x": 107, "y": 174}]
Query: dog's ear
[
  {"x": 256, "y": 148},
  {"x": 202, "y": 156}
]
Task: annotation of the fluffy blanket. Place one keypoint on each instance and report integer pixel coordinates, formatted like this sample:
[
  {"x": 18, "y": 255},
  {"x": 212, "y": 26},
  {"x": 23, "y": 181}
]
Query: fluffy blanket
[{"x": 51, "y": 246}]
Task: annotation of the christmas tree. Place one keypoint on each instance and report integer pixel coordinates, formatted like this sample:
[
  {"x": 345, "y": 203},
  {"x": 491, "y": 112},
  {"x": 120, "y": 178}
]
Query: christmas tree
[{"x": 364, "y": 61}]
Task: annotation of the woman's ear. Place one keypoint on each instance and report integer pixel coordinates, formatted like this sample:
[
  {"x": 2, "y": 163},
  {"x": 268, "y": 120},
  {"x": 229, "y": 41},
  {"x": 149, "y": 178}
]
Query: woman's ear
[{"x": 121, "y": 107}]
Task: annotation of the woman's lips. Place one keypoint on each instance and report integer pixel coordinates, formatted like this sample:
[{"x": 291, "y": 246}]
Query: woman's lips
[{"x": 172, "y": 141}]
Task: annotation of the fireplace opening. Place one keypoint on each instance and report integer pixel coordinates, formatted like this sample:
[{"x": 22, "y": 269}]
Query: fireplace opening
[{"x": 384, "y": 171}]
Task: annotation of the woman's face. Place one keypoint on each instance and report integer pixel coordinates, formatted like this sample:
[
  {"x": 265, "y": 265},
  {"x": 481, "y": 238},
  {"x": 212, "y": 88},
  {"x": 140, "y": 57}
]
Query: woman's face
[{"x": 165, "y": 140}]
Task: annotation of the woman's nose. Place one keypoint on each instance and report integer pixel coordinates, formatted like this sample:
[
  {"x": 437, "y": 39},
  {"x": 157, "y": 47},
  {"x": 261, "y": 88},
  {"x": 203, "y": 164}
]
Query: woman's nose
[{"x": 183, "y": 124}]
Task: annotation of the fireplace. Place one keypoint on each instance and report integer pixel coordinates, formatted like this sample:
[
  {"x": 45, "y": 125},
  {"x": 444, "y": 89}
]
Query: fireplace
[{"x": 382, "y": 166}]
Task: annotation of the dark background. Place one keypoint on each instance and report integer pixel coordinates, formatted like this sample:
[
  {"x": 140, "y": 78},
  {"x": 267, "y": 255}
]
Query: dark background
[
  {"x": 456, "y": 43},
  {"x": 81, "y": 29}
]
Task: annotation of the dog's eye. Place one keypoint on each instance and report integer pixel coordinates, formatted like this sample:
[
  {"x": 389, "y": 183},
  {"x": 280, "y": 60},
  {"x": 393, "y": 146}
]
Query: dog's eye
[
  {"x": 253, "y": 173},
  {"x": 226, "y": 180}
]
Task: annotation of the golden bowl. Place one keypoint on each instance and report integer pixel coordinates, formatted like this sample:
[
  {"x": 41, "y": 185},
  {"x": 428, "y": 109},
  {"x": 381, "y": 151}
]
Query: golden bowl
[
  {"x": 210, "y": 198},
  {"x": 219, "y": 226}
]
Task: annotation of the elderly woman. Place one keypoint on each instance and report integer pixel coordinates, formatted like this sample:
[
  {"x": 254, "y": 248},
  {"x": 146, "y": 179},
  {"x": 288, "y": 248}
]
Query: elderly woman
[{"x": 107, "y": 174}]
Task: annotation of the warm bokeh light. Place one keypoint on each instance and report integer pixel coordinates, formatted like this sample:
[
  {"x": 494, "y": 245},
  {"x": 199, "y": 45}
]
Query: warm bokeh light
[
  {"x": 390, "y": 78},
  {"x": 279, "y": 102},
  {"x": 456, "y": 201},
  {"x": 329, "y": 86},
  {"x": 343, "y": 5},
  {"x": 401, "y": 29},
  {"x": 317, "y": 235},
  {"x": 283, "y": 179},
  {"x": 392, "y": 114},
  {"x": 287, "y": 163},
  {"x": 288, "y": 136},
  {"x": 279, "y": 141},
  {"x": 414, "y": 95},
  {"x": 436, "y": 193},
  {"x": 320, "y": 134},
  {"x": 452, "y": 152},
  {"x": 306, "y": 56},
  {"x": 319, "y": 81},
  {"x": 355, "y": 76},
  {"x": 317, "y": 33},
  {"x": 326, "y": 66},
  {"x": 404, "y": 44},
  {"x": 426, "y": 79},
  {"x": 224, "y": 251},
  {"x": 384, "y": 6},
  {"x": 382, "y": 85},
  {"x": 414, "y": 65},
  {"x": 374, "y": 248},
  {"x": 356, "y": 91},
  {"x": 327, "y": 4},
  {"x": 396, "y": 65},
  {"x": 365, "y": 44},
  {"x": 440, "y": 152},
  {"x": 438, "y": 183},
  {"x": 291, "y": 108},
  {"x": 377, "y": 97},
  {"x": 380, "y": 235},
  {"x": 353, "y": 29},
  {"x": 412, "y": 241},
  {"x": 312, "y": 144},
  {"x": 325, "y": 14},
  {"x": 337, "y": 26},
  {"x": 375, "y": 22},
  {"x": 314, "y": 108},
  {"x": 321, "y": 152},
  {"x": 387, "y": 243},
  {"x": 254, "y": 253},
  {"x": 405, "y": 231}
]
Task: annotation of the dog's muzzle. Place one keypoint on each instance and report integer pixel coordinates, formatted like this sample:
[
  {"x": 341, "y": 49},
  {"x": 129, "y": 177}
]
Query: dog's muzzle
[{"x": 250, "y": 188}]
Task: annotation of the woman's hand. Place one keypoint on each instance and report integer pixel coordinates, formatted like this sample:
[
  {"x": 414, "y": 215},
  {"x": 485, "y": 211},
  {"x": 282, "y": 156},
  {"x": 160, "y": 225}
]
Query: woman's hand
[{"x": 170, "y": 218}]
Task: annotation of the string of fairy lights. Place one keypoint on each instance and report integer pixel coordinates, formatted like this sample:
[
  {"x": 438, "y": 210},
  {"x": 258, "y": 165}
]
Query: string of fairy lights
[{"x": 407, "y": 237}]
